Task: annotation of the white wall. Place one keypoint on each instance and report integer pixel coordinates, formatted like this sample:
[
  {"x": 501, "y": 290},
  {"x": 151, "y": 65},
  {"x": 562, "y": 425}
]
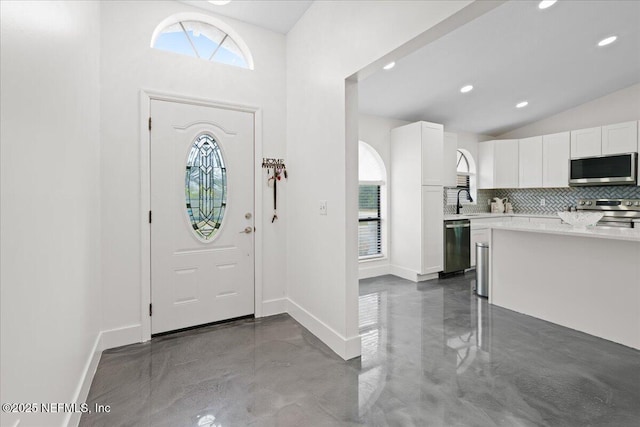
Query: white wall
[
  {"x": 332, "y": 41},
  {"x": 376, "y": 131},
  {"x": 616, "y": 107},
  {"x": 129, "y": 65},
  {"x": 50, "y": 302}
]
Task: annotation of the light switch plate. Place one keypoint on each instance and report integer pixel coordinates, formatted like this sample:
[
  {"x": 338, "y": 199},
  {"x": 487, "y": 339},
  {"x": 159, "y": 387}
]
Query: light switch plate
[{"x": 543, "y": 202}]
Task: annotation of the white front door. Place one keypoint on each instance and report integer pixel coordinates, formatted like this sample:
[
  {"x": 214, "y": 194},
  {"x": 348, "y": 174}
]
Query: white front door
[{"x": 202, "y": 204}]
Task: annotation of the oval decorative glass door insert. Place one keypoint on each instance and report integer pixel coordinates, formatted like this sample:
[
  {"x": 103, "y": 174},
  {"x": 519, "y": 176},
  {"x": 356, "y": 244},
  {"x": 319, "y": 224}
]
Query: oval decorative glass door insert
[{"x": 206, "y": 187}]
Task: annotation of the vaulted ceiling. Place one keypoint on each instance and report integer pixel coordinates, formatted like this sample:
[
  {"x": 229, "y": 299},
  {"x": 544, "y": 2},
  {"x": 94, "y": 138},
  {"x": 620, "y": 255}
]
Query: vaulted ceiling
[
  {"x": 274, "y": 15},
  {"x": 516, "y": 52}
]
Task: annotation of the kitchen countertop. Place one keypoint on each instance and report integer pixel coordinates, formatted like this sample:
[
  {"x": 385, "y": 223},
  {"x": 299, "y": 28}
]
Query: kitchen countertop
[
  {"x": 627, "y": 234},
  {"x": 494, "y": 215}
]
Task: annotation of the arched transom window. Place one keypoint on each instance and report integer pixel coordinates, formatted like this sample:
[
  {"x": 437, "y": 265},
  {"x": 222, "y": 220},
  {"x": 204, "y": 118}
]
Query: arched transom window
[
  {"x": 466, "y": 178},
  {"x": 199, "y": 36},
  {"x": 463, "y": 171}
]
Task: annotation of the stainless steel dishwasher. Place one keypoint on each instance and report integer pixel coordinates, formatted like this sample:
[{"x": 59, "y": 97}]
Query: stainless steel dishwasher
[{"x": 457, "y": 239}]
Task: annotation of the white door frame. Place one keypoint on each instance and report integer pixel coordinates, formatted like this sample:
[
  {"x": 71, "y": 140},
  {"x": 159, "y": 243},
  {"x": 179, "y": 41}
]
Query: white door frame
[{"x": 145, "y": 195}]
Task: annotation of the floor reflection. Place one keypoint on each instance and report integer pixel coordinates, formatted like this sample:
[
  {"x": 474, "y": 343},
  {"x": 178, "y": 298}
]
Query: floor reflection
[
  {"x": 474, "y": 340},
  {"x": 433, "y": 354},
  {"x": 373, "y": 334},
  {"x": 465, "y": 325}
]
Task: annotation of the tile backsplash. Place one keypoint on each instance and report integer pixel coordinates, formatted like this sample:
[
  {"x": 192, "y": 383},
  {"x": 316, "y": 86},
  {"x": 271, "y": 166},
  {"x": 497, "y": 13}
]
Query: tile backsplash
[{"x": 527, "y": 200}]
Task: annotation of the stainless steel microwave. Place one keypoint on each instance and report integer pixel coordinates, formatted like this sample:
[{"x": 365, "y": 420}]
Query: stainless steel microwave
[{"x": 616, "y": 169}]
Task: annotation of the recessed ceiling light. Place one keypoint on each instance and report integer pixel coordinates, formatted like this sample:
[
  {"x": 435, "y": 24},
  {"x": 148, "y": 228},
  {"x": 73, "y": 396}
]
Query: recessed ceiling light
[
  {"x": 389, "y": 66},
  {"x": 546, "y": 3},
  {"x": 522, "y": 104},
  {"x": 607, "y": 41},
  {"x": 467, "y": 88},
  {"x": 219, "y": 2}
]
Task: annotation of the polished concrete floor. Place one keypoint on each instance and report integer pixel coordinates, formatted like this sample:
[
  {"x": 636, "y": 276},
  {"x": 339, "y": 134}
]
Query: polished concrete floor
[{"x": 433, "y": 354}]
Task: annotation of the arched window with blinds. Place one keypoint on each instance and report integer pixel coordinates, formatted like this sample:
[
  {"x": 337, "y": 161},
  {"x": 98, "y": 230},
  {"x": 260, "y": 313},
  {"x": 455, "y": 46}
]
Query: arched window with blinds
[{"x": 372, "y": 176}]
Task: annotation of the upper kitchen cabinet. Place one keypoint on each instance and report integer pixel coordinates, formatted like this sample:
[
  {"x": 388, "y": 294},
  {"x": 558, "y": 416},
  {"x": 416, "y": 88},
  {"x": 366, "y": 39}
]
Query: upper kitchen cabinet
[
  {"x": 505, "y": 166},
  {"x": 417, "y": 148},
  {"x": 610, "y": 139},
  {"x": 586, "y": 142},
  {"x": 498, "y": 164},
  {"x": 620, "y": 138},
  {"x": 555, "y": 160},
  {"x": 530, "y": 161},
  {"x": 485, "y": 164},
  {"x": 432, "y": 153},
  {"x": 449, "y": 164}
]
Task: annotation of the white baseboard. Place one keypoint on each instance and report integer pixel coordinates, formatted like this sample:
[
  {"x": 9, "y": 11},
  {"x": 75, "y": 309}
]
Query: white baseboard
[
  {"x": 366, "y": 272},
  {"x": 82, "y": 390},
  {"x": 121, "y": 336},
  {"x": 405, "y": 273},
  {"x": 105, "y": 340},
  {"x": 347, "y": 348},
  {"x": 430, "y": 276},
  {"x": 274, "y": 306}
]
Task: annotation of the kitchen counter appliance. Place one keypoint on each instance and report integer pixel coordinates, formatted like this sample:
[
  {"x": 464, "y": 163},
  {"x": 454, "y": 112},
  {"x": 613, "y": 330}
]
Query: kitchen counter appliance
[
  {"x": 617, "y": 212},
  {"x": 457, "y": 241},
  {"x": 618, "y": 169}
]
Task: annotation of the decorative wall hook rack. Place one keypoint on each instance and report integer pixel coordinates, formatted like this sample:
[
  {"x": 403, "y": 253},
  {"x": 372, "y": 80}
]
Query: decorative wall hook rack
[
  {"x": 276, "y": 169},
  {"x": 268, "y": 163}
]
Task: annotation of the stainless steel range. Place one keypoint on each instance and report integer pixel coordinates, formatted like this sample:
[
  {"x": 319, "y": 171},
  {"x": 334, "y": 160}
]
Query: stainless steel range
[{"x": 617, "y": 212}]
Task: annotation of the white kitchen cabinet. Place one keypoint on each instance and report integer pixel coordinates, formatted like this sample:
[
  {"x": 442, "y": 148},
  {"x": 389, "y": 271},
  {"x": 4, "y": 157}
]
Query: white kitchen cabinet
[
  {"x": 478, "y": 236},
  {"x": 505, "y": 164},
  {"x": 449, "y": 163},
  {"x": 416, "y": 219},
  {"x": 432, "y": 230},
  {"x": 620, "y": 138},
  {"x": 432, "y": 153},
  {"x": 419, "y": 148},
  {"x": 530, "y": 162},
  {"x": 485, "y": 164},
  {"x": 417, "y": 247},
  {"x": 586, "y": 142},
  {"x": 555, "y": 160}
]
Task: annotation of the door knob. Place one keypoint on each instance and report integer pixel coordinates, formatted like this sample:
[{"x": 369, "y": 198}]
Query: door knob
[{"x": 247, "y": 230}]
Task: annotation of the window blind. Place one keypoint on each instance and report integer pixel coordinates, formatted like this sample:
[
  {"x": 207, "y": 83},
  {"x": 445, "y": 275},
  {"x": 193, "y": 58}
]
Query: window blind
[
  {"x": 369, "y": 226},
  {"x": 462, "y": 181}
]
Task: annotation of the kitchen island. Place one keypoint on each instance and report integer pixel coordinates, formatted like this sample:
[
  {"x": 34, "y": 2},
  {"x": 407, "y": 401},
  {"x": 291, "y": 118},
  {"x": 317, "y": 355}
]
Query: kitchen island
[{"x": 588, "y": 280}]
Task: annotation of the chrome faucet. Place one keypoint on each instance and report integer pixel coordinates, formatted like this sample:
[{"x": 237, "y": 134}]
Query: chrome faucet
[{"x": 458, "y": 205}]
